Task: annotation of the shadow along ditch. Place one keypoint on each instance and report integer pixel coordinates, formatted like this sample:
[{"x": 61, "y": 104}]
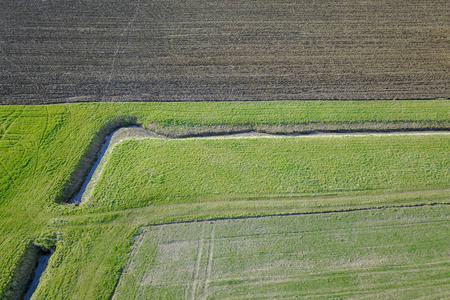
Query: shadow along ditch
[
  {"x": 91, "y": 154},
  {"x": 30, "y": 268},
  {"x": 39, "y": 270}
]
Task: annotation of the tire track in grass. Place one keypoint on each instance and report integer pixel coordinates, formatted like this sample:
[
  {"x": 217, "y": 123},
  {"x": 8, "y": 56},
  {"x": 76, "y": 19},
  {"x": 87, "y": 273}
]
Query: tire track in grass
[
  {"x": 7, "y": 173},
  {"x": 5, "y": 123},
  {"x": 19, "y": 140},
  {"x": 210, "y": 261},
  {"x": 41, "y": 141},
  {"x": 80, "y": 125},
  {"x": 28, "y": 209},
  {"x": 70, "y": 120},
  {"x": 9, "y": 124},
  {"x": 10, "y": 119},
  {"x": 197, "y": 265}
]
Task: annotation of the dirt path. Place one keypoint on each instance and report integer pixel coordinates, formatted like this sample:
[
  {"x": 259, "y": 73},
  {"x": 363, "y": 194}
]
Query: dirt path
[{"x": 255, "y": 134}]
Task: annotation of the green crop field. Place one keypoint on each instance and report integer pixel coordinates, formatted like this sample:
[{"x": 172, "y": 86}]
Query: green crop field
[{"x": 46, "y": 152}]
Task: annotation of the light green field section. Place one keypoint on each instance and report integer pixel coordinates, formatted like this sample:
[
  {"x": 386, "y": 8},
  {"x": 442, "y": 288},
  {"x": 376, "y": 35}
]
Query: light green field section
[
  {"x": 390, "y": 254},
  {"x": 148, "y": 171},
  {"x": 44, "y": 148}
]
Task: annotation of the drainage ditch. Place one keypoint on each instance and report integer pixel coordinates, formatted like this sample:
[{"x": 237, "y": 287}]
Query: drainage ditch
[{"x": 41, "y": 266}]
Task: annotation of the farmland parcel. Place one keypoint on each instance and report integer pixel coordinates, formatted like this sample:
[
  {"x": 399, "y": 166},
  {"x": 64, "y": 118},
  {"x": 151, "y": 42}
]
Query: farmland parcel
[
  {"x": 148, "y": 171},
  {"x": 146, "y": 50},
  {"x": 286, "y": 217}
]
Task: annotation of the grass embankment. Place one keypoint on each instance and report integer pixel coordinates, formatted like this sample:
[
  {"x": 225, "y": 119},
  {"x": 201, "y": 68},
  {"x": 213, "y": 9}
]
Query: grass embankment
[
  {"x": 389, "y": 254},
  {"x": 41, "y": 148},
  {"x": 150, "y": 171}
]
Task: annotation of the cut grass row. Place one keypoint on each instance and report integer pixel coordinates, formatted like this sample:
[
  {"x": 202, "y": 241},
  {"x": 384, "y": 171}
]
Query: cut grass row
[{"x": 43, "y": 148}]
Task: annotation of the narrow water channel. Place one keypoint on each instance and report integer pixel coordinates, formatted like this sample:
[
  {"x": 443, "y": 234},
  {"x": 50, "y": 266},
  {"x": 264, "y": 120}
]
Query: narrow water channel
[
  {"x": 37, "y": 275},
  {"x": 79, "y": 195}
]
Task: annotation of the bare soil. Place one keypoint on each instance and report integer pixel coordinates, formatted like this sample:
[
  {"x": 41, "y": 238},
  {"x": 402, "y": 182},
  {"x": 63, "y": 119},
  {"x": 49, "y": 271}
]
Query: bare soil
[{"x": 142, "y": 50}]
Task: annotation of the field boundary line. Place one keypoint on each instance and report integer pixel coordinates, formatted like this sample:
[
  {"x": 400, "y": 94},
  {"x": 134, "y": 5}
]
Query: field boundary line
[
  {"x": 260, "y": 235},
  {"x": 319, "y": 134},
  {"x": 262, "y": 134},
  {"x": 339, "y": 269},
  {"x": 261, "y": 216},
  {"x": 138, "y": 240}
]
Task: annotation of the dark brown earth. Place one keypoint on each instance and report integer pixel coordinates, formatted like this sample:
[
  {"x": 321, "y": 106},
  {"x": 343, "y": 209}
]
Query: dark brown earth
[{"x": 194, "y": 50}]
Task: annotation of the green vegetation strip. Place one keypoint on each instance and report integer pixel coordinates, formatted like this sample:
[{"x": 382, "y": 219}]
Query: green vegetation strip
[
  {"x": 389, "y": 253},
  {"x": 46, "y": 151}
]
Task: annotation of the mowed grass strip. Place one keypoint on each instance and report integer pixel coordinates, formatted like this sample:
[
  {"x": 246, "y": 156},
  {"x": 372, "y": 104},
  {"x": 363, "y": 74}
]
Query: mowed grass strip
[
  {"x": 387, "y": 253},
  {"x": 151, "y": 171}
]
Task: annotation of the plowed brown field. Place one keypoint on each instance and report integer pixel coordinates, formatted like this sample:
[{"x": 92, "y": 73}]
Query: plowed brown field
[{"x": 145, "y": 50}]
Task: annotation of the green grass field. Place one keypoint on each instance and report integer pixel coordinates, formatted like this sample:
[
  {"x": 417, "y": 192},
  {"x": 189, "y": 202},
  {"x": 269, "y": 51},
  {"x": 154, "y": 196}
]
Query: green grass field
[
  {"x": 46, "y": 151},
  {"x": 389, "y": 254}
]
